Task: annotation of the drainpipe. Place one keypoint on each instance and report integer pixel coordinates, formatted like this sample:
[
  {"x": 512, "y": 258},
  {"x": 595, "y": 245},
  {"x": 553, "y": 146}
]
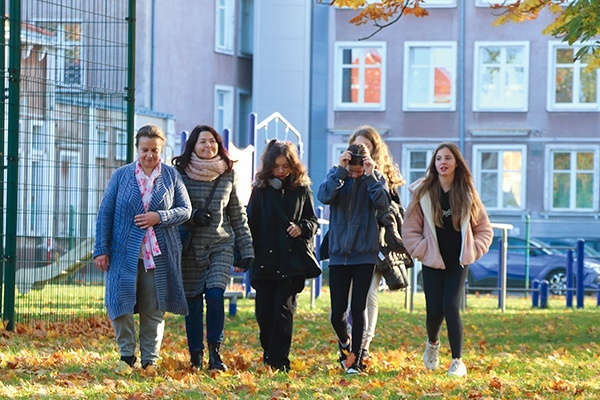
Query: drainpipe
[
  {"x": 152, "y": 54},
  {"x": 461, "y": 75}
]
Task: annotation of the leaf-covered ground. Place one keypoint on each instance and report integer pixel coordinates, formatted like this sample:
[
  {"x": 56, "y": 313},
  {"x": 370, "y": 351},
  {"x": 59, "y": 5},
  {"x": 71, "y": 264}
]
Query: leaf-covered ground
[{"x": 523, "y": 353}]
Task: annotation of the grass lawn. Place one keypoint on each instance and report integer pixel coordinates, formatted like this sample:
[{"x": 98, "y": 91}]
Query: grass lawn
[{"x": 523, "y": 353}]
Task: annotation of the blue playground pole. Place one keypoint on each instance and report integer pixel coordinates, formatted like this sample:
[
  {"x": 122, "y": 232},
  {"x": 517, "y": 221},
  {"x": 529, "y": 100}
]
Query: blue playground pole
[
  {"x": 544, "y": 291},
  {"x": 535, "y": 294},
  {"x": 569, "y": 293},
  {"x": 580, "y": 276}
]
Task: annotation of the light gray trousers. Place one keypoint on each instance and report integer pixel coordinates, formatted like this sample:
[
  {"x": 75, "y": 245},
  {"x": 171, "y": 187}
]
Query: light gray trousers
[{"x": 152, "y": 321}]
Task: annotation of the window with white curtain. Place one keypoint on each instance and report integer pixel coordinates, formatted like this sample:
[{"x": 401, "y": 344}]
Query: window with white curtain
[{"x": 429, "y": 76}]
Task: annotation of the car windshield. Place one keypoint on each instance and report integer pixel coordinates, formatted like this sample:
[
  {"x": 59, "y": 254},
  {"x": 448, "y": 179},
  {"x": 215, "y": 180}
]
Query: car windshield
[
  {"x": 519, "y": 246},
  {"x": 562, "y": 245}
]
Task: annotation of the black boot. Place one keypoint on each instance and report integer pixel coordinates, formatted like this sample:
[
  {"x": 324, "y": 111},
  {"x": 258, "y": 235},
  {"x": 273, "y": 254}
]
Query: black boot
[
  {"x": 214, "y": 358},
  {"x": 196, "y": 359}
]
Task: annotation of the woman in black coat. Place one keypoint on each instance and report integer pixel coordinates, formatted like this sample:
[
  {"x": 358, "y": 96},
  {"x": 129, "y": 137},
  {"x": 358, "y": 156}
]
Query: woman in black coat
[{"x": 281, "y": 242}]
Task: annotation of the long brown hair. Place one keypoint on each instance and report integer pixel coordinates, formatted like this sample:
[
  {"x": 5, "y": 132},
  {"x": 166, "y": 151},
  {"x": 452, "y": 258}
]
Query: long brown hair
[
  {"x": 184, "y": 159},
  {"x": 381, "y": 155},
  {"x": 273, "y": 150},
  {"x": 464, "y": 199}
]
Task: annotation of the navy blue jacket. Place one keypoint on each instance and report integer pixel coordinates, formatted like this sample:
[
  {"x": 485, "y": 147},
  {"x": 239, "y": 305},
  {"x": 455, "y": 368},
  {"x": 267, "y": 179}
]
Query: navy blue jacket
[{"x": 353, "y": 205}]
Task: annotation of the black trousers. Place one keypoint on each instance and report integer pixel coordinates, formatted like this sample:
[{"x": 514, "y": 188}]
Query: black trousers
[
  {"x": 340, "y": 279},
  {"x": 443, "y": 290},
  {"x": 275, "y": 305}
]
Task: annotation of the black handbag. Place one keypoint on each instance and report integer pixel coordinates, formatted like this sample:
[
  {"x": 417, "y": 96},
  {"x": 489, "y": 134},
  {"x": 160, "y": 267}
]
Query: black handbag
[
  {"x": 187, "y": 232},
  {"x": 324, "y": 248},
  {"x": 393, "y": 269},
  {"x": 312, "y": 268}
]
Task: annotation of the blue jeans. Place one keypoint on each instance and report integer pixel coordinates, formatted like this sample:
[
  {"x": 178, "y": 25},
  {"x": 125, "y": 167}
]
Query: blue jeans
[{"x": 215, "y": 318}]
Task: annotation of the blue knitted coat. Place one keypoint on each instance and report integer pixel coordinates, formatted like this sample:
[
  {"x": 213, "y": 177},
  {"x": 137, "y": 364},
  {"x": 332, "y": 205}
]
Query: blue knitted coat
[{"x": 119, "y": 237}]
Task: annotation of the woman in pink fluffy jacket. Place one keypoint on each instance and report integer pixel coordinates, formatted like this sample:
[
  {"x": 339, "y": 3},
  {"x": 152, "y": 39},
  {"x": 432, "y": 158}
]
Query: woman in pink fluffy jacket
[{"x": 447, "y": 228}]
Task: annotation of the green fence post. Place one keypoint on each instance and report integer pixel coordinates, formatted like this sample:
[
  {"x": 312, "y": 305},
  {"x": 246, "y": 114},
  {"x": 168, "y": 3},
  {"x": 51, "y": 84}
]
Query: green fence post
[
  {"x": 130, "y": 89},
  {"x": 2, "y": 155},
  {"x": 12, "y": 173}
]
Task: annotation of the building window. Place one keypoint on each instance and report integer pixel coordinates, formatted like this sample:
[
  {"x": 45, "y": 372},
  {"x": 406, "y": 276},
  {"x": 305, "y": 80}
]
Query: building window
[
  {"x": 223, "y": 108},
  {"x": 500, "y": 177},
  {"x": 224, "y": 26},
  {"x": 429, "y": 76},
  {"x": 416, "y": 161},
  {"x": 121, "y": 146},
  {"x": 68, "y": 193},
  {"x": 359, "y": 76},
  {"x": 571, "y": 87},
  {"x": 244, "y": 110},
  {"x": 102, "y": 140},
  {"x": 37, "y": 202},
  {"x": 501, "y": 76},
  {"x": 494, "y": 3},
  {"x": 573, "y": 179},
  {"x": 69, "y": 55},
  {"x": 246, "y": 27}
]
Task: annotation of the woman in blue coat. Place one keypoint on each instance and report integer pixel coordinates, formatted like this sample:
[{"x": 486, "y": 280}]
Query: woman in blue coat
[{"x": 138, "y": 245}]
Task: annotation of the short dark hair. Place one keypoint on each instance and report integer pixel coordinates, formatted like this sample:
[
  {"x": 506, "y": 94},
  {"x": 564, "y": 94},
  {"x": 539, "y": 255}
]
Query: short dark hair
[{"x": 150, "y": 131}]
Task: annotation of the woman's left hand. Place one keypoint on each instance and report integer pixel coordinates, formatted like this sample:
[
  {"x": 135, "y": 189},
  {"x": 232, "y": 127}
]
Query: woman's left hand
[
  {"x": 147, "y": 220},
  {"x": 294, "y": 230},
  {"x": 369, "y": 164}
]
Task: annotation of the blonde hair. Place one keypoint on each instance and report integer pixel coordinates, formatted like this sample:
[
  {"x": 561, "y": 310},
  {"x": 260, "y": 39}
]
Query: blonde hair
[
  {"x": 462, "y": 186},
  {"x": 381, "y": 155}
]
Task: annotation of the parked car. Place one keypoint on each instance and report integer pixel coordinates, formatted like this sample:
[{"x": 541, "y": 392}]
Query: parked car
[
  {"x": 544, "y": 263},
  {"x": 561, "y": 245}
]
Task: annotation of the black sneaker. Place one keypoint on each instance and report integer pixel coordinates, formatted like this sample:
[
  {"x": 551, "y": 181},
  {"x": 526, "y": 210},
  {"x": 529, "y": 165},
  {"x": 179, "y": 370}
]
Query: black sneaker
[
  {"x": 129, "y": 360},
  {"x": 354, "y": 369},
  {"x": 364, "y": 359},
  {"x": 344, "y": 353}
]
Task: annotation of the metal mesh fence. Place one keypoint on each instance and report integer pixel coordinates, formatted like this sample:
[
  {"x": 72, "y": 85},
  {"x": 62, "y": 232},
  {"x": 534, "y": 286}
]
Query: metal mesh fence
[{"x": 70, "y": 132}]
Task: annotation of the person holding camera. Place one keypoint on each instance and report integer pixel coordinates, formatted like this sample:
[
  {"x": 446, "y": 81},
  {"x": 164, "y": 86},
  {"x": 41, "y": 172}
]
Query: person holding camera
[
  {"x": 218, "y": 223},
  {"x": 380, "y": 153},
  {"x": 283, "y": 223},
  {"x": 355, "y": 192}
]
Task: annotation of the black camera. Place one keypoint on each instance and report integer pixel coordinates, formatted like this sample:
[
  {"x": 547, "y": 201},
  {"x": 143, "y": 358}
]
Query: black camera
[
  {"x": 356, "y": 159},
  {"x": 201, "y": 217}
]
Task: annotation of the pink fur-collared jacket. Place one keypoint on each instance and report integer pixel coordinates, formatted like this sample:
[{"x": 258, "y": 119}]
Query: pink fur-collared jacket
[{"x": 420, "y": 238}]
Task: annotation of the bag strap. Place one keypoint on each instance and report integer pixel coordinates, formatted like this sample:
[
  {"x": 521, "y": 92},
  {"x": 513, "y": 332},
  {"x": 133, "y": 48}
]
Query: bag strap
[{"x": 211, "y": 194}]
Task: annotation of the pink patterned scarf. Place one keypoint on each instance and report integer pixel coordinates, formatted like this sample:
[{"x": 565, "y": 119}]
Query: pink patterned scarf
[
  {"x": 146, "y": 184},
  {"x": 203, "y": 170}
]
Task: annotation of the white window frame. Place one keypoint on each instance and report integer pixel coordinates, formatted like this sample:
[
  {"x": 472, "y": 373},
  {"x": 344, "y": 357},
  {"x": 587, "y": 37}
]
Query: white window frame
[
  {"x": 426, "y": 4},
  {"x": 224, "y": 110},
  {"x": 224, "y": 26},
  {"x": 479, "y": 70},
  {"x": 120, "y": 145},
  {"x": 407, "y": 170},
  {"x": 490, "y": 3},
  {"x": 68, "y": 191},
  {"x": 246, "y": 29},
  {"x": 36, "y": 223},
  {"x": 360, "y": 105},
  {"x": 102, "y": 143},
  {"x": 407, "y": 105},
  {"x": 62, "y": 44},
  {"x": 568, "y": 107},
  {"x": 549, "y": 181},
  {"x": 477, "y": 171}
]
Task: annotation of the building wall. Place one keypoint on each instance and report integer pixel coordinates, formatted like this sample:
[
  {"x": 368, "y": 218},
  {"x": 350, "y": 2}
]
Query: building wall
[
  {"x": 177, "y": 65},
  {"x": 536, "y": 128}
]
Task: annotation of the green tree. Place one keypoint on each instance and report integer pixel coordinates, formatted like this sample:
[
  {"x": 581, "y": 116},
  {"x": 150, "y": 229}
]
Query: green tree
[{"x": 575, "y": 21}]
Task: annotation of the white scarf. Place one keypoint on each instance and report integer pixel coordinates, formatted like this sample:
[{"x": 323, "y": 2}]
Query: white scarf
[{"x": 146, "y": 184}]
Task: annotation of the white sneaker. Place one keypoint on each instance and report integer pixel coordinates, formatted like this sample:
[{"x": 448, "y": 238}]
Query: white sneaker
[
  {"x": 457, "y": 368},
  {"x": 431, "y": 357}
]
